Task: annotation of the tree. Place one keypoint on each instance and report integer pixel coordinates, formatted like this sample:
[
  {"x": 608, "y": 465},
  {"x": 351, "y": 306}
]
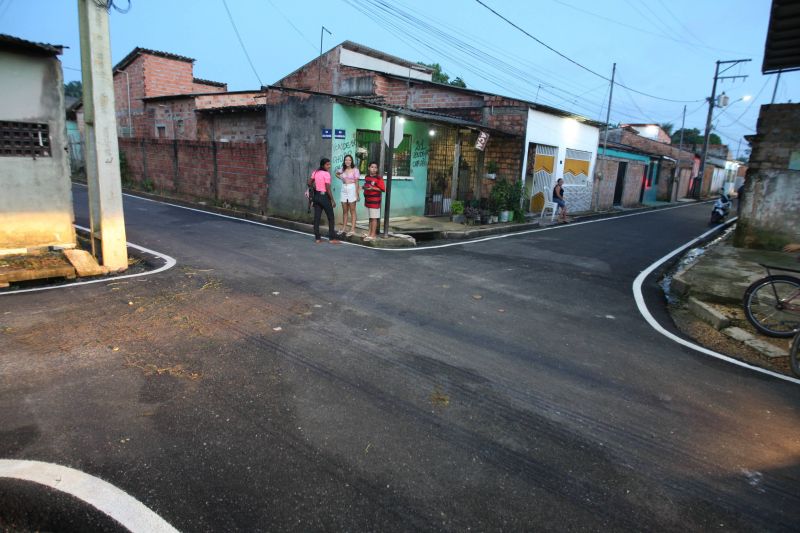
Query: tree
[
  {"x": 667, "y": 127},
  {"x": 442, "y": 77},
  {"x": 694, "y": 136},
  {"x": 73, "y": 88}
]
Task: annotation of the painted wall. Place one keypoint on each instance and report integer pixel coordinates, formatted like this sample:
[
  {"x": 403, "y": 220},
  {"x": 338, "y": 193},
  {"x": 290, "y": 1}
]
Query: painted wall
[
  {"x": 408, "y": 192},
  {"x": 294, "y": 148},
  {"x": 544, "y": 128},
  {"x": 36, "y": 202}
]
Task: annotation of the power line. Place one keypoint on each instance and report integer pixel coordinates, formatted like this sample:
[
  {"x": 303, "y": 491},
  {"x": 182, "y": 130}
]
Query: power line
[
  {"x": 587, "y": 69},
  {"x": 289, "y": 21},
  {"x": 235, "y": 29}
]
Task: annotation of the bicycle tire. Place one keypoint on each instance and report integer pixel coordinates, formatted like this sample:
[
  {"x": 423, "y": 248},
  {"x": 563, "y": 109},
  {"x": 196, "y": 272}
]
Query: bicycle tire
[
  {"x": 793, "y": 355},
  {"x": 762, "y": 311}
]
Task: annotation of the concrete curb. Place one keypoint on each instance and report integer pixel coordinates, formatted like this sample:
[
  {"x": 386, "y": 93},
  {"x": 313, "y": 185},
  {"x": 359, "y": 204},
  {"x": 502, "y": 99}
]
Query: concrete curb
[{"x": 705, "y": 312}]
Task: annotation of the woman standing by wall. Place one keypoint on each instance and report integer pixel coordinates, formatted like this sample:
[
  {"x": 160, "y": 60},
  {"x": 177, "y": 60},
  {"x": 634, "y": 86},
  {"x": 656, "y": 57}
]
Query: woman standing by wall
[
  {"x": 350, "y": 194},
  {"x": 323, "y": 200}
]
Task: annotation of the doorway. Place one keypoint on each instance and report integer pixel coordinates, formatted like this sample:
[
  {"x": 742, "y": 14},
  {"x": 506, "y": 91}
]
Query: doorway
[{"x": 622, "y": 169}]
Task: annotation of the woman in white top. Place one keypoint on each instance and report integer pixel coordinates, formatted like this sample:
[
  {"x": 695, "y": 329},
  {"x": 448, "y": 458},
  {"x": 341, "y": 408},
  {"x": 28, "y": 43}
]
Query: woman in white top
[{"x": 350, "y": 196}]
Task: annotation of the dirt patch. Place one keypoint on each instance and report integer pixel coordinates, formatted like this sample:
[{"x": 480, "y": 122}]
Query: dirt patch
[{"x": 705, "y": 335}]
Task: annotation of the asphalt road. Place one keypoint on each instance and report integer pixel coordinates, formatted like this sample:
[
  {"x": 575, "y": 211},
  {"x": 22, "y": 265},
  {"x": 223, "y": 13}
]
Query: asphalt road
[{"x": 268, "y": 383}]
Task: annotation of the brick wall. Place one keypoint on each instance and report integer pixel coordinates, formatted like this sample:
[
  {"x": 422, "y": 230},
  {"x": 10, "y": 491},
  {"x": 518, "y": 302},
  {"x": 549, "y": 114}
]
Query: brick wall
[
  {"x": 607, "y": 167},
  {"x": 209, "y": 101},
  {"x": 321, "y": 74},
  {"x": 218, "y": 173},
  {"x": 164, "y": 76},
  {"x": 650, "y": 146},
  {"x": 244, "y": 126},
  {"x": 204, "y": 88},
  {"x": 132, "y": 77}
]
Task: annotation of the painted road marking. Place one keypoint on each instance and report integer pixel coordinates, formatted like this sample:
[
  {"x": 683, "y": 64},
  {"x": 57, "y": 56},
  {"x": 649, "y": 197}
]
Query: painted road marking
[
  {"x": 416, "y": 248},
  {"x": 169, "y": 262},
  {"x": 637, "y": 294},
  {"x": 101, "y": 495}
]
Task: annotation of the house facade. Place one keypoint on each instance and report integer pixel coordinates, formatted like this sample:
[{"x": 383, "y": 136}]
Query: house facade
[{"x": 36, "y": 202}]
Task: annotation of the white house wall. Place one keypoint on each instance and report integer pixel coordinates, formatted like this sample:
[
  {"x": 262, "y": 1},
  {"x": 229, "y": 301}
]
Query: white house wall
[
  {"x": 350, "y": 58},
  {"x": 564, "y": 133},
  {"x": 36, "y": 199}
]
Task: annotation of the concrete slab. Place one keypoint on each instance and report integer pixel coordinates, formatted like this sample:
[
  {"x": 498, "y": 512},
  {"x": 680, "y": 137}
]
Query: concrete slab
[
  {"x": 708, "y": 314},
  {"x": 34, "y": 266},
  {"x": 85, "y": 264},
  {"x": 765, "y": 348},
  {"x": 738, "y": 334}
]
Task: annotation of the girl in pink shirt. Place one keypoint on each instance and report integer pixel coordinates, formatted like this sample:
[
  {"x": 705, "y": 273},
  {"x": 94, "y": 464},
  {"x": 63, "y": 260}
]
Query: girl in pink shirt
[
  {"x": 350, "y": 195},
  {"x": 323, "y": 200}
]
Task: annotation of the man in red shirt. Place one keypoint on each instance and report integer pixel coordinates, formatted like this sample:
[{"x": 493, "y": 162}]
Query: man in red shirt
[{"x": 373, "y": 191}]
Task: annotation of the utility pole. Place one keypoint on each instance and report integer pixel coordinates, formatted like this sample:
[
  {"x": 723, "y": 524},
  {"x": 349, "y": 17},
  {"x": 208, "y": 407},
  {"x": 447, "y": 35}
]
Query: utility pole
[
  {"x": 319, "y": 60},
  {"x": 107, "y": 220},
  {"x": 390, "y": 158},
  {"x": 775, "y": 90},
  {"x": 711, "y": 104},
  {"x": 605, "y": 141},
  {"x": 676, "y": 175}
]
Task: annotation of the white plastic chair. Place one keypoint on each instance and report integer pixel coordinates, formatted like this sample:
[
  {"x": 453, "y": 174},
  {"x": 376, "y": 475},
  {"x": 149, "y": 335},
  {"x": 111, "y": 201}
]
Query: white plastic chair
[{"x": 549, "y": 204}]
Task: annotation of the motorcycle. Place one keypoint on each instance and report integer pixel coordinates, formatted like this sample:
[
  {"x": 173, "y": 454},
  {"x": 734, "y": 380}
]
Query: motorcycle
[{"x": 720, "y": 210}]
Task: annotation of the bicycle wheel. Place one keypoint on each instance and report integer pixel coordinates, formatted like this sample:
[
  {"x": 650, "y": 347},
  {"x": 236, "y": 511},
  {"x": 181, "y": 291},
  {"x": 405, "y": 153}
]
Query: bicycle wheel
[
  {"x": 770, "y": 315},
  {"x": 794, "y": 354}
]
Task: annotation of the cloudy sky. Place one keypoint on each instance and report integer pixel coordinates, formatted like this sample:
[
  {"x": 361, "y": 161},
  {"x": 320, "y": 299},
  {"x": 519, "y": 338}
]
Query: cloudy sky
[{"x": 665, "y": 50}]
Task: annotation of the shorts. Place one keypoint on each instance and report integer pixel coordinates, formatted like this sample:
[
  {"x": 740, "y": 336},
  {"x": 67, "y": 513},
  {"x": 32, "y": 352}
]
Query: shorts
[
  {"x": 560, "y": 202},
  {"x": 348, "y": 193},
  {"x": 374, "y": 212}
]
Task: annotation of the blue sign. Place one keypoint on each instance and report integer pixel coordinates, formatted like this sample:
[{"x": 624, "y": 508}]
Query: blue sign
[
  {"x": 326, "y": 133},
  {"x": 338, "y": 134}
]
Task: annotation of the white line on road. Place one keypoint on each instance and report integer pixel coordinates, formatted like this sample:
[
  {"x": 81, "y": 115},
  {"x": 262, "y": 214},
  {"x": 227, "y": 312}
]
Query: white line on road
[
  {"x": 169, "y": 262},
  {"x": 637, "y": 294},
  {"x": 416, "y": 248},
  {"x": 103, "y": 496}
]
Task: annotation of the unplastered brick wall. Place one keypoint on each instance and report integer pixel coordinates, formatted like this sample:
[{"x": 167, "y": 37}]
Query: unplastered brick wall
[
  {"x": 232, "y": 174},
  {"x": 163, "y": 76},
  {"x": 317, "y": 75},
  {"x": 198, "y": 87},
  {"x": 777, "y": 136},
  {"x": 128, "y": 94},
  {"x": 604, "y": 189},
  {"x": 175, "y": 115},
  {"x": 507, "y": 152},
  {"x": 240, "y": 126},
  {"x": 649, "y": 145},
  {"x": 209, "y": 101}
]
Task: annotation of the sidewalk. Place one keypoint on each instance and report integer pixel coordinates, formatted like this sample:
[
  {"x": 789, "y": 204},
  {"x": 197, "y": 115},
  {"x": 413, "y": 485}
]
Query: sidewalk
[{"x": 707, "y": 289}]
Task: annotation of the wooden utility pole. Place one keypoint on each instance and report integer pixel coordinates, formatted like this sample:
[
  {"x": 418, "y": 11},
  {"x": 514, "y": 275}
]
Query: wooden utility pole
[{"x": 102, "y": 150}]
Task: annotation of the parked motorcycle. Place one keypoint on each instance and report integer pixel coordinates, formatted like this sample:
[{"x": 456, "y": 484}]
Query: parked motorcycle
[{"x": 720, "y": 210}]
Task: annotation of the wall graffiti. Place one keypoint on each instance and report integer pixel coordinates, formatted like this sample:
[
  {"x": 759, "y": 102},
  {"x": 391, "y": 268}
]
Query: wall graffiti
[{"x": 419, "y": 155}]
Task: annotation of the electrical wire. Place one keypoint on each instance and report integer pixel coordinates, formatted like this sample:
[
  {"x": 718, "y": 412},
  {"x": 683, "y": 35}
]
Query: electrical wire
[
  {"x": 587, "y": 69},
  {"x": 296, "y": 29},
  {"x": 241, "y": 42}
]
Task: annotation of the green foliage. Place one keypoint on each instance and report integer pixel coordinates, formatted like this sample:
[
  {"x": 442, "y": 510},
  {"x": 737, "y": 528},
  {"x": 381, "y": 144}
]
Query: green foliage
[
  {"x": 457, "y": 207},
  {"x": 73, "y": 88},
  {"x": 498, "y": 198},
  {"x": 491, "y": 167},
  {"x": 515, "y": 196},
  {"x": 667, "y": 127},
  {"x": 441, "y": 77},
  {"x": 148, "y": 186},
  {"x": 694, "y": 136},
  {"x": 124, "y": 170}
]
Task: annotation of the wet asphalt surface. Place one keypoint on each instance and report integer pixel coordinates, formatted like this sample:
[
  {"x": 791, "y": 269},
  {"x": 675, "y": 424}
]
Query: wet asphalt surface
[{"x": 268, "y": 383}]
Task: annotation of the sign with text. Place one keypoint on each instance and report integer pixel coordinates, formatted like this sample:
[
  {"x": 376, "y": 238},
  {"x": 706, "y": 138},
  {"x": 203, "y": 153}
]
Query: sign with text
[
  {"x": 338, "y": 134},
  {"x": 326, "y": 133},
  {"x": 483, "y": 140}
]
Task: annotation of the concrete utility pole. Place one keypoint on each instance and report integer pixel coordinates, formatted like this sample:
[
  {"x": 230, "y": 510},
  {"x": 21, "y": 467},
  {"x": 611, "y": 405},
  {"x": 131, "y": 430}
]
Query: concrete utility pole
[
  {"x": 605, "y": 139},
  {"x": 102, "y": 151},
  {"x": 711, "y": 104},
  {"x": 673, "y": 192}
]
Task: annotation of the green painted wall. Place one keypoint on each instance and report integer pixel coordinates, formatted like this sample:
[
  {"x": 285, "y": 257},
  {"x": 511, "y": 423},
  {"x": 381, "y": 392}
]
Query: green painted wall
[{"x": 408, "y": 195}]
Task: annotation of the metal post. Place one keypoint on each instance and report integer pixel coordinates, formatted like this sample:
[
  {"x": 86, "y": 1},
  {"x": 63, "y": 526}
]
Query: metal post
[
  {"x": 102, "y": 148},
  {"x": 605, "y": 138},
  {"x": 319, "y": 60},
  {"x": 390, "y": 158},
  {"x": 775, "y": 90},
  {"x": 382, "y": 154},
  {"x": 676, "y": 175}
]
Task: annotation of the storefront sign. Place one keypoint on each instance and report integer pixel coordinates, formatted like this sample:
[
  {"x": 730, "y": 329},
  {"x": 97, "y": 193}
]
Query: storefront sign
[{"x": 483, "y": 140}]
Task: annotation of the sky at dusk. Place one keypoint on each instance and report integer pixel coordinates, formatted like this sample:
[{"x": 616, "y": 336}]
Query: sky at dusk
[{"x": 663, "y": 48}]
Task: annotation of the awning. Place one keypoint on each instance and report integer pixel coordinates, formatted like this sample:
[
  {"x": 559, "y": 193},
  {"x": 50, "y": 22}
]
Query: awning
[{"x": 782, "y": 49}]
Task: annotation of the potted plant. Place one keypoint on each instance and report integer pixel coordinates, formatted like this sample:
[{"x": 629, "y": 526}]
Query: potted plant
[
  {"x": 472, "y": 214},
  {"x": 457, "y": 211},
  {"x": 515, "y": 201},
  {"x": 491, "y": 170},
  {"x": 500, "y": 196}
]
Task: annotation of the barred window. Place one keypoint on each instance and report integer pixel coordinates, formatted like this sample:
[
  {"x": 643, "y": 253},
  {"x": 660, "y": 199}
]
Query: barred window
[
  {"x": 368, "y": 148},
  {"x": 24, "y": 139}
]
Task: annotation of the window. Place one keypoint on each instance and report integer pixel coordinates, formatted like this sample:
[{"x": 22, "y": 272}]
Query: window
[
  {"x": 24, "y": 139},
  {"x": 368, "y": 148},
  {"x": 161, "y": 132}
]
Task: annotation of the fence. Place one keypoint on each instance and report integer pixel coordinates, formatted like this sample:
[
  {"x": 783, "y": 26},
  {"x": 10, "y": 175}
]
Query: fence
[{"x": 233, "y": 174}]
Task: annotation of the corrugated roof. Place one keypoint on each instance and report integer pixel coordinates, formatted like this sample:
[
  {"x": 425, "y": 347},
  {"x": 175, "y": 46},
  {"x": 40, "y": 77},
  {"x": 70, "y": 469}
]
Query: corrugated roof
[
  {"x": 15, "y": 43},
  {"x": 233, "y": 109},
  {"x": 782, "y": 49},
  {"x": 136, "y": 52},
  {"x": 209, "y": 82}
]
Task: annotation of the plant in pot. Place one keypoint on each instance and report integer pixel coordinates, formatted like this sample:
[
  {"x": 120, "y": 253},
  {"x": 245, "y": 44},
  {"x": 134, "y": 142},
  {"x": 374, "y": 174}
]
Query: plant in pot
[
  {"x": 500, "y": 196},
  {"x": 491, "y": 169},
  {"x": 472, "y": 214},
  {"x": 457, "y": 211},
  {"x": 514, "y": 202}
]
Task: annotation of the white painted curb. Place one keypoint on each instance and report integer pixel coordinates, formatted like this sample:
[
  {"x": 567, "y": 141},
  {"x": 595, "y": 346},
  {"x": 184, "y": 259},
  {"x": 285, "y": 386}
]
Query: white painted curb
[
  {"x": 101, "y": 495},
  {"x": 637, "y": 294}
]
